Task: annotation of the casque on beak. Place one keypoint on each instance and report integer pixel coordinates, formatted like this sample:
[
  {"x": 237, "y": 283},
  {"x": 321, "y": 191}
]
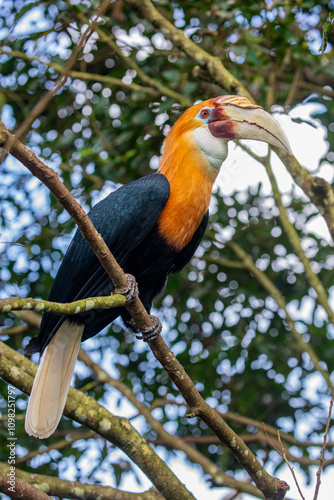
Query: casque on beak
[{"x": 236, "y": 117}]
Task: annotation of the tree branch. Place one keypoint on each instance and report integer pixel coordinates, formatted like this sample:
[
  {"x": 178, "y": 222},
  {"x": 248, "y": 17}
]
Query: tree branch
[
  {"x": 241, "y": 419},
  {"x": 213, "y": 65},
  {"x": 14, "y": 330},
  {"x": 36, "y": 483},
  {"x": 19, "y": 489},
  {"x": 319, "y": 191},
  {"x": 30, "y": 317},
  {"x": 83, "y": 305},
  {"x": 296, "y": 244},
  {"x": 233, "y": 264},
  {"x": 258, "y": 437},
  {"x": 59, "y": 445}
]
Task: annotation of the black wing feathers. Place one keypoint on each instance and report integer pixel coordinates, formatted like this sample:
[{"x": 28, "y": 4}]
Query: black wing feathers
[{"x": 124, "y": 218}]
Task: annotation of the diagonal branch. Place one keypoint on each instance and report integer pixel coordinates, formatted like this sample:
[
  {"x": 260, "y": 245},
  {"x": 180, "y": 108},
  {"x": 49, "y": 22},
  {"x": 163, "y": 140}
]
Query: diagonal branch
[
  {"x": 211, "y": 64},
  {"x": 58, "y": 445},
  {"x": 159, "y": 87},
  {"x": 319, "y": 191},
  {"x": 294, "y": 239}
]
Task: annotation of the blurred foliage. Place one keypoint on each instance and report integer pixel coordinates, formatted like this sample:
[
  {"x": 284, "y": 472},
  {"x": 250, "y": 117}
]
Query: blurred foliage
[{"x": 230, "y": 336}]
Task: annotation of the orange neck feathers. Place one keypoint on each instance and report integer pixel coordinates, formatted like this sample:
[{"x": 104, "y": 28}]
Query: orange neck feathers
[{"x": 190, "y": 177}]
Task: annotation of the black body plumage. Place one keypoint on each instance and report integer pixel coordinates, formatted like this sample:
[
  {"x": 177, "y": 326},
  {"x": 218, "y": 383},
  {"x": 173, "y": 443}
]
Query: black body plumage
[{"x": 127, "y": 221}]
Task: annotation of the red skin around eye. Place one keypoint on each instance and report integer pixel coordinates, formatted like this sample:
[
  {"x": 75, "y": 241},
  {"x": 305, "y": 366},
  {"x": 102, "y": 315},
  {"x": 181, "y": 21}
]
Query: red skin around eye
[
  {"x": 220, "y": 124},
  {"x": 222, "y": 129}
]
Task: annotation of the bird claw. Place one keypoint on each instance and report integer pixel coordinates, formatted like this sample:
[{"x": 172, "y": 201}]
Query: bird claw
[
  {"x": 152, "y": 332},
  {"x": 131, "y": 290}
]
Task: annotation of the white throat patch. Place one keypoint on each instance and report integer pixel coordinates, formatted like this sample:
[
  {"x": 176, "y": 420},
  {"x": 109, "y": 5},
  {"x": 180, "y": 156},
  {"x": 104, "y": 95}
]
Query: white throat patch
[{"x": 214, "y": 149}]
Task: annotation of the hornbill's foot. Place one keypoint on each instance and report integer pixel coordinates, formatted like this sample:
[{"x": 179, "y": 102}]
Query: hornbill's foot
[
  {"x": 131, "y": 290},
  {"x": 152, "y": 332}
]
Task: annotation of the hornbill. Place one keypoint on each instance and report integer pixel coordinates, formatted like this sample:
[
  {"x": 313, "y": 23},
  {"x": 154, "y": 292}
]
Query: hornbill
[{"x": 152, "y": 226}]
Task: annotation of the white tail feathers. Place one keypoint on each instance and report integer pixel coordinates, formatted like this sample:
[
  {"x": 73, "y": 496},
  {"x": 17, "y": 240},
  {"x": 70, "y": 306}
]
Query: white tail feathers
[{"x": 52, "y": 381}]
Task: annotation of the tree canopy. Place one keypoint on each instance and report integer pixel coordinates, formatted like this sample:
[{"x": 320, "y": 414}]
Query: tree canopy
[{"x": 92, "y": 89}]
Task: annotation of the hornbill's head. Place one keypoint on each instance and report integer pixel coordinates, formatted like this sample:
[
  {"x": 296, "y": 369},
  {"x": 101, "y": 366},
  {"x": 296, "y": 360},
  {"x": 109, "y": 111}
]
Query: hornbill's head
[{"x": 209, "y": 125}]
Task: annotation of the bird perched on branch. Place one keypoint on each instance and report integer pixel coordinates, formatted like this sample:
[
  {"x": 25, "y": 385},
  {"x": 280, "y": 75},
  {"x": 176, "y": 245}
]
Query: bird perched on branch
[{"x": 152, "y": 226}]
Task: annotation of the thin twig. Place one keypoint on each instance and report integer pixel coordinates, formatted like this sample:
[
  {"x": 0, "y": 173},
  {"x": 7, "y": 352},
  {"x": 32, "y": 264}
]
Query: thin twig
[
  {"x": 293, "y": 89},
  {"x": 282, "y": 452},
  {"x": 14, "y": 330},
  {"x": 59, "y": 445},
  {"x": 322, "y": 454},
  {"x": 290, "y": 467}
]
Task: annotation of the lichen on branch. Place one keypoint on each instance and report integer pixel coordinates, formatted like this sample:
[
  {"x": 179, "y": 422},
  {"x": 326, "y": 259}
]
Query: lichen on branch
[
  {"x": 69, "y": 308},
  {"x": 37, "y": 484}
]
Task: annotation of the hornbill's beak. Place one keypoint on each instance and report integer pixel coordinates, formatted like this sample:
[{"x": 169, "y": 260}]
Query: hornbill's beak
[{"x": 236, "y": 117}]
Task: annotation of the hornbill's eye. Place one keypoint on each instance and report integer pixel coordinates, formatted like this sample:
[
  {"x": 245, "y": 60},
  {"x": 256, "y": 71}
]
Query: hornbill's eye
[{"x": 205, "y": 113}]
